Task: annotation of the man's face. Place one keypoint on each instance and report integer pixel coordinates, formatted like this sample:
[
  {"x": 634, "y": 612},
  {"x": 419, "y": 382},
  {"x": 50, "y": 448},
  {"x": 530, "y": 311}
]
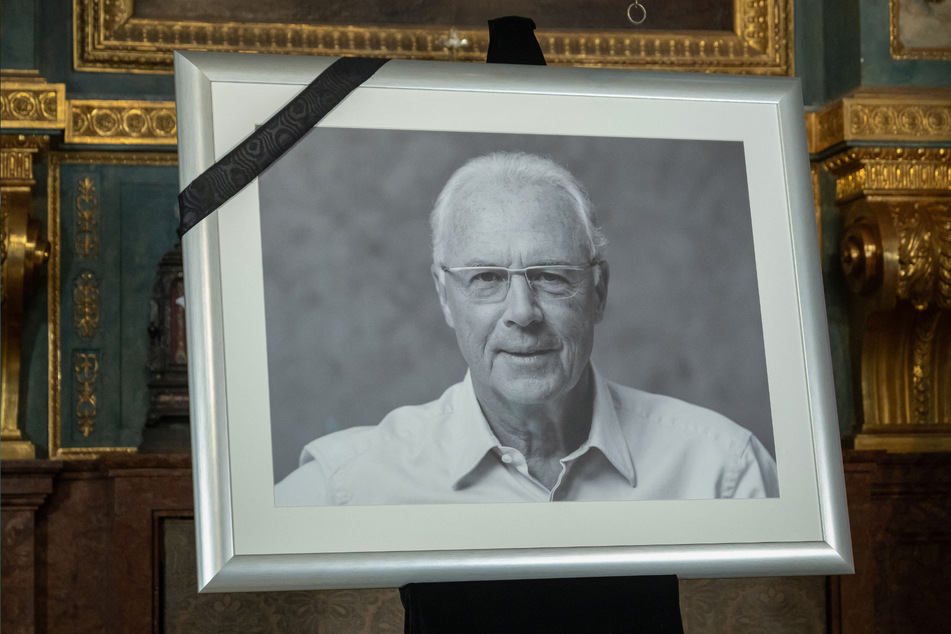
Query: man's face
[{"x": 525, "y": 348}]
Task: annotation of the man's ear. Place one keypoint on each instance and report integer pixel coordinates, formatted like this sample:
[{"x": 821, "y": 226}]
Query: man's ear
[
  {"x": 439, "y": 279},
  {"x": 601, "y": 288}
]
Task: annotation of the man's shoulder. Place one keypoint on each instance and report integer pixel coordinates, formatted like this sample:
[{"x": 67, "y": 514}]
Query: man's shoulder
[
  {"x": 646, "y": 412},
  {"x": 346, "y": 454},
  {"x": 403, "y": 428}
]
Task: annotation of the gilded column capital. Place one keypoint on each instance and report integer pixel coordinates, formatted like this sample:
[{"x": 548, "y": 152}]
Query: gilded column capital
[{"x": 896, "y": 256}]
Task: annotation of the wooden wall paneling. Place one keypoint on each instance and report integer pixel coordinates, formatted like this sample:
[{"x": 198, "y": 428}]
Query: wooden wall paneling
[
  {"x": 143, "y": 489},
  {"x": 900, "y": 514},
  {"x": 26, "y": 486},
  {"x": 79, "y": 552}
]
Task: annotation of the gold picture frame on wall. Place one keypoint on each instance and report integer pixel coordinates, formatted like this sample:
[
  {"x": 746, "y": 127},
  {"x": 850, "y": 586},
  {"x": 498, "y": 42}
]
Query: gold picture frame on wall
[
  {"x": 114, "y": 36},
  {"x": 917, "y": 31}
]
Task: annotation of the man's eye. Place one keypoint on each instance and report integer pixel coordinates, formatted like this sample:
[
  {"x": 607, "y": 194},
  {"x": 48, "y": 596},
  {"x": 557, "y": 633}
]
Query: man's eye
[
  {"x": 549, "y": 276},
  {"x": 487, "y": 277}
]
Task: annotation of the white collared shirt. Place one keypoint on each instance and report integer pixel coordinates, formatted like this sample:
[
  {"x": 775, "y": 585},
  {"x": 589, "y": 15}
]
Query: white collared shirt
[{"x": 641, "y": 447}]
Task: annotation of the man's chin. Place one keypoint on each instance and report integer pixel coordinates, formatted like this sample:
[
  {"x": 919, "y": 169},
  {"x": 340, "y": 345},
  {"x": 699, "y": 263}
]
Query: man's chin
[{"x": 529, "y": 391}]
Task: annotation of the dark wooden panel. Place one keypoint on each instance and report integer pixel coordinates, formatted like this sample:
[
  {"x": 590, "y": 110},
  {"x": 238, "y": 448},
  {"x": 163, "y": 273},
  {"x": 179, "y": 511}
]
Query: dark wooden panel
[
  {"x": 900, "y": 514},
  {"x": 108, "y": 545}
]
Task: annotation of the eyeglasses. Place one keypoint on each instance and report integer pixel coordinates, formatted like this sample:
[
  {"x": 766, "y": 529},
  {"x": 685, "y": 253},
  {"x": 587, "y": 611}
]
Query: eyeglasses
[{"x": 489, "y": 284}]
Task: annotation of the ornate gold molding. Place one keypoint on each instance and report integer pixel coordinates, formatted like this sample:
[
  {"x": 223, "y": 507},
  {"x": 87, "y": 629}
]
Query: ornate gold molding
[
  {"x": 109, "y": 37},
  {"x": 922, "y": 115},
  {"x": 95, "y": 121},
  {"x": 28, "y": 102},
  {"x": 896, "y": 255},
  {"x": 84, "y": 200},
  {"x": 898, "y": 49},
  {"x": 869, "y": 171},
  {"x": 23, "y": 255}
]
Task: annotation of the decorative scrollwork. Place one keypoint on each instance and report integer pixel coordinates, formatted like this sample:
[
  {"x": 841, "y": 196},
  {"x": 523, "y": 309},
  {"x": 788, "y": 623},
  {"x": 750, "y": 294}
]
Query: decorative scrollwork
[
  {"x": 883, "y": 121},
  {"x": 922, "y": 370},
  {"x": 87, "y": 219},
  {"x": 924, "y": 254},
  {"x": 86, "y": 368},
  {"x": 86, "y": 304}
]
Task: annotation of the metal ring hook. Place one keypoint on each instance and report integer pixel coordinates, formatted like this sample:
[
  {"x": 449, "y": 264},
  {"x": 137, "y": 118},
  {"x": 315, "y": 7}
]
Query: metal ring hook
[{"x": 643, "y": 12}]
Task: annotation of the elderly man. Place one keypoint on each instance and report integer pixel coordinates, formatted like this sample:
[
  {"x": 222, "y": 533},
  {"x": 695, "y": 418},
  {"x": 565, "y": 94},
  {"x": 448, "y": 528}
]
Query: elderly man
[{"x": 519, "y": 271}]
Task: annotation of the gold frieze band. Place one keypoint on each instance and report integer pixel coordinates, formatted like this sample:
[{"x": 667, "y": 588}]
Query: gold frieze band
[
  {"x": 121, "y": 122},
  {"x": 882, "y": 115},
  {"x": 109, "y": 37},
  {"x": 28, "y": 102}
]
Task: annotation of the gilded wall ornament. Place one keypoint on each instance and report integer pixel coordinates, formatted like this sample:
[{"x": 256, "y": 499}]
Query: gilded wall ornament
[
  {"x": 86, "y": 305},
  {"x": 86, "y": 369},
  {"x": 87, "y": 220},
  {"x": 924, "y": 254}
]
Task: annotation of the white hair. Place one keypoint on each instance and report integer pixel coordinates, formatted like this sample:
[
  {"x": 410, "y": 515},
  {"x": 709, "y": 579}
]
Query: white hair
[{"x": 506, "y": 169}]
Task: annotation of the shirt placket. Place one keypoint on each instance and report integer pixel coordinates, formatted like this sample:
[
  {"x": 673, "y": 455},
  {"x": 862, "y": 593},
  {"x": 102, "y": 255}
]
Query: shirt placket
[{"x": 513, "y": 459}]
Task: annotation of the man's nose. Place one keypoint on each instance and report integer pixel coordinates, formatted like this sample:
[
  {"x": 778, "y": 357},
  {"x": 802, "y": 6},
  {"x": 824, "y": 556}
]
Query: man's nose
[{"x": 521, "y": 305}]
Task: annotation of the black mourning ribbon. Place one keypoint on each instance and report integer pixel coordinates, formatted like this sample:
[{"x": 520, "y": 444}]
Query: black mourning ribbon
[{"x": 234, "y": 171}]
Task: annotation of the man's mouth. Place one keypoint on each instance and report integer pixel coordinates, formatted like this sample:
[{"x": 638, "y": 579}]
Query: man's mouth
[{"x": 527, "y": 354}]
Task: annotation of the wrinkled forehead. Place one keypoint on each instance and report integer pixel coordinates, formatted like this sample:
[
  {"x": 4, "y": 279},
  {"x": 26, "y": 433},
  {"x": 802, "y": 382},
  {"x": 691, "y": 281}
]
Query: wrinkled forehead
[
  {"x": 499, "y": 213},
  {"x": 514, "y": 203}
]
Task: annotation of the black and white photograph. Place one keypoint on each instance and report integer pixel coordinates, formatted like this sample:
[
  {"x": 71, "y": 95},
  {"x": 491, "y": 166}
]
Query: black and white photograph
[
  {"x": 512, "y": 322},
  {"x": 481, "y": 318}
]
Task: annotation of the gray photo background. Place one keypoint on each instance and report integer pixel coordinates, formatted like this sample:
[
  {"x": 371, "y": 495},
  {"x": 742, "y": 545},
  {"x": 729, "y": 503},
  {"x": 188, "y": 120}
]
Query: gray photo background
[{"x": 354, "y": 327}]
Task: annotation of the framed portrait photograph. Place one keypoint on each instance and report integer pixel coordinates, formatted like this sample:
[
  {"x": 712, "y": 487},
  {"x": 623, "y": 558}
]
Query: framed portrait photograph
[{"x": 500, "y": 321}]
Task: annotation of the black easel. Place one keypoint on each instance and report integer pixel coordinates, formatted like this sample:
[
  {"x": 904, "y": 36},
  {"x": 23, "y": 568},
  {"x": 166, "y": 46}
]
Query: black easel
[{"x": 606, "y": 605}]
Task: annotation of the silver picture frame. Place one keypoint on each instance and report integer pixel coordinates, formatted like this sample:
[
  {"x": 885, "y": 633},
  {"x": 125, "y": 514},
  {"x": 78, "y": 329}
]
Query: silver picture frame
[{"x": 246, "y": 542}]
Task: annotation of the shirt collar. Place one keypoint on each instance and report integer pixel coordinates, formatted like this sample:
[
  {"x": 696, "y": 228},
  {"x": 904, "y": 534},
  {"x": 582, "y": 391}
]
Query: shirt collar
[
  {"x": 470, "y": 437},
  {"x": 606, "y": 434}
]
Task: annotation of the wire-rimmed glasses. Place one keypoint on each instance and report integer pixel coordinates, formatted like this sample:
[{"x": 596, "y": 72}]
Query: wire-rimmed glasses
[{"x": 489, "y": 284}]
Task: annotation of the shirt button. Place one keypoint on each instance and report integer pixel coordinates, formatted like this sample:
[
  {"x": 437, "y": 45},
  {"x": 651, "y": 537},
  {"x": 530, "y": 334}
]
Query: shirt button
[{"x": 507, "y": 459}]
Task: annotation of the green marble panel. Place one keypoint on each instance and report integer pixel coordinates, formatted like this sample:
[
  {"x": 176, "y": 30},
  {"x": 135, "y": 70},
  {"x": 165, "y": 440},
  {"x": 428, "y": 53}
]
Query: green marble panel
[
  {"x": 108, "y": 262},
  {"x": 17, "y": 30},
  {"x": 878, "y": 66},
  {"x": 827, "y": 41}
]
